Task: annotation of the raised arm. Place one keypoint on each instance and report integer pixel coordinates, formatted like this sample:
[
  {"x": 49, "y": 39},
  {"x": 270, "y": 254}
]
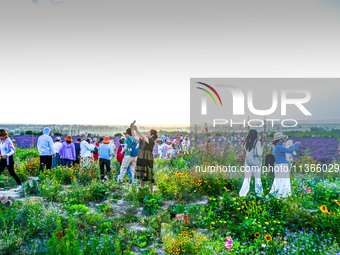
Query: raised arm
[
  {"x": 134, "y": 128},
  {"x": 133, "y": 133},
  {"x": 291, "y": 149}
]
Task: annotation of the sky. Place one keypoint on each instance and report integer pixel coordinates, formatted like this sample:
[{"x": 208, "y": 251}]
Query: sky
[{"x": 112, "y": 62}]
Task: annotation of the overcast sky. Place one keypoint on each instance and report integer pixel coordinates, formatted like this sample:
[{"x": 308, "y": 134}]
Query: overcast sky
[{"x": 112, "y": 62}]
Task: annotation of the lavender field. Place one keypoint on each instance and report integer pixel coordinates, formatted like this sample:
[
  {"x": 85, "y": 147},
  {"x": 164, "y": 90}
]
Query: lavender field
[{"x": 322, "y": 149}]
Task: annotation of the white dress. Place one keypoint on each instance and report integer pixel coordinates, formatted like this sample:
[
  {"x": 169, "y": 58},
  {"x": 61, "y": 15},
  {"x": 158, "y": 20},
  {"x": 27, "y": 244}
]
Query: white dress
[{"x": 256, "y": 171}]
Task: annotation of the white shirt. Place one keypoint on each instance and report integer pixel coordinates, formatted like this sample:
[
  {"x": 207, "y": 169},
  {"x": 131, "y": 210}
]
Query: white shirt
[
  {"x": 86, "y": 149},
  {"x": 4, "y": 151},
  {"x": 57, "y": 147}
]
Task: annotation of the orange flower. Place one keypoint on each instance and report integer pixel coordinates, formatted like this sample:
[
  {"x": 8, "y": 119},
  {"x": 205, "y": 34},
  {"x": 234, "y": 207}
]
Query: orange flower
[
  {"x": 180, "y": 196},
  {"x": 268, "y": 238},
  {"x": 257, "y": 234}
]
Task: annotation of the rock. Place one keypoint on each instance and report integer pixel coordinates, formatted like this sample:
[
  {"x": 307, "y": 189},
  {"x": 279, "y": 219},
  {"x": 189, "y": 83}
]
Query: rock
[{"x": 137, "y": 227}]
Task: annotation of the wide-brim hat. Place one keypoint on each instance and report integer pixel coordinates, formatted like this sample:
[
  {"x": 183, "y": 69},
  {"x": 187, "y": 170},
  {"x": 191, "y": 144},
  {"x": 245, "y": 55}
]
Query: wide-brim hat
[
  {"x": 106, "y": 139},
  {"x": 69, "y": 138},
  {"x": 278, "y": 136}
]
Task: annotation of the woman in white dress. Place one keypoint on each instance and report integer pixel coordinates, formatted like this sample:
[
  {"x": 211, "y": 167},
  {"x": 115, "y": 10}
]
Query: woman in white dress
[
  {"x": 252, "y": 163},
  {"x": 281, "y": 185}
]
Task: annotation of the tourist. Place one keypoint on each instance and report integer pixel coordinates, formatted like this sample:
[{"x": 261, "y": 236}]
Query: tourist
[
  {"x": 104, "y": 154},
  {"x": 252, "y": 165},
  {"x": 120, "y": 157},
  {"x": 130, "y": 158},
  {"x": 289, "y": 156},
  {"x": 68, "y": 152},
  {"x": 57, "y": 145},
  {"x": 186, "y": 144},
  {"x": 120, "y": 152},
  {"x": 145, "y": 156},
  {"x": 7, "y": 151},
  {"x": 77, "y": 148},
  {"x": 281, "y": 185},
  {"x": 46, "y": 149},
  {"x": 86, "y": 149},
  {"x": 169, "y": 150},
  {"x": 161, "y": 148},
  {"x": 96, "y": 148}
]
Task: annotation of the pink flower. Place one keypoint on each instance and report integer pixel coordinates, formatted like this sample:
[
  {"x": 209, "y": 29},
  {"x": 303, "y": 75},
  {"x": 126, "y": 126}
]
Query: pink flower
[
  {"x": 228, "y": 244},
  {"x": 229, "y": 238},
  {"x": 308, "y": 190}
]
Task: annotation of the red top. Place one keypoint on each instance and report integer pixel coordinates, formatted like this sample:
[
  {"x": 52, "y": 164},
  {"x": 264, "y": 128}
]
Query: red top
[{"x": 95, "y": 156}]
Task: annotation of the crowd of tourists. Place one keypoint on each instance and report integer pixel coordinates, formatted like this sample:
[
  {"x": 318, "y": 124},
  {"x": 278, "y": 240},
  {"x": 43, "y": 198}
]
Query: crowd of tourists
[{"x": 136, "y": 158}]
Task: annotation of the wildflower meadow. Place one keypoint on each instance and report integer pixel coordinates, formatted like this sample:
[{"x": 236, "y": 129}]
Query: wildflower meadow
[{"x": 72, "y": 211}]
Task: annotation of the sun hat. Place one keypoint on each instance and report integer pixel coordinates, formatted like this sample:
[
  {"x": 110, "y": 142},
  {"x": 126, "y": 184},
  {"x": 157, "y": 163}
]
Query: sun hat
[
  {"x": 106, "y": 139},
  {"x": 278, "y": 136},
  {"x": 68, "y": 138}
]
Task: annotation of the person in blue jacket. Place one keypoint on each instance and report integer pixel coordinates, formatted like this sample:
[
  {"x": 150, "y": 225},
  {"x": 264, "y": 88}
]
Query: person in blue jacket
[{"x": 281, "y": 185}]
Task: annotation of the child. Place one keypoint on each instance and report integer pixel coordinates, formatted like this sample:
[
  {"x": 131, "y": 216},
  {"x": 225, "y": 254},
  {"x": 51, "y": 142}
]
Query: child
[
  {"x": 289, "y": 156},
  {"x": 104, "y": 153},
  {"x": 120, "y": 153}
]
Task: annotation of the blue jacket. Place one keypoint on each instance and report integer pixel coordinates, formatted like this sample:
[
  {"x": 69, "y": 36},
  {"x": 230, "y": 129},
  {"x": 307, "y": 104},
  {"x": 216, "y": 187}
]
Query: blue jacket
[
  {"x": 280, "y": 152},
  {"x": 45, "y": 143}
]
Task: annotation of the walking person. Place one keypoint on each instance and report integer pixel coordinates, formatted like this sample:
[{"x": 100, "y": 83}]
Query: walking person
[
  {"x": 68, "y": 152},
  {"x": 145, "y": 156},
  {"x": 105, "y": 152},
  {"x": 46, "y": 149},
  {"x": 130, "y": 158},
  {"x": 86, "y": 150},
  {"x": 252, "y": 164},
  {"x": 281, "y": 185},
  {"x": 56, "y": 161},
  {"x": 7, "y": 151}
]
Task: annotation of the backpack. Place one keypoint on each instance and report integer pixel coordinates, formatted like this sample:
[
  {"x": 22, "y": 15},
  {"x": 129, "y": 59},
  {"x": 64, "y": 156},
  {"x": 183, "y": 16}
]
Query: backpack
[
  {"x": 95, "y": 150},
  {"x": 132, "y": 148},
  {"x": 252, "y": 160}
]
